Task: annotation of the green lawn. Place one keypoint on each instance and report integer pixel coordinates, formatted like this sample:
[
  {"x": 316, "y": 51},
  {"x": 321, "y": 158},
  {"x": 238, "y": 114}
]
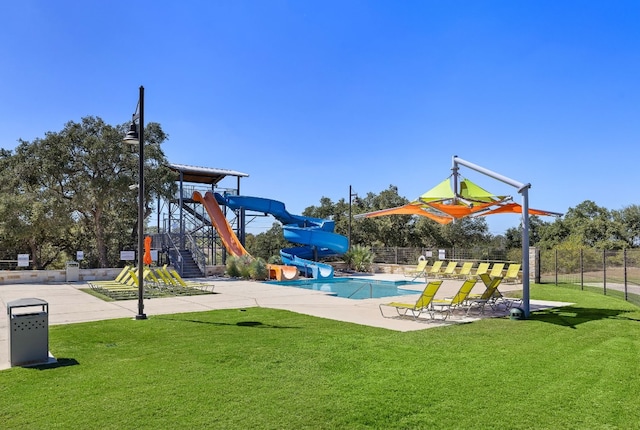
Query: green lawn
[{"x": 572, "y": 368}]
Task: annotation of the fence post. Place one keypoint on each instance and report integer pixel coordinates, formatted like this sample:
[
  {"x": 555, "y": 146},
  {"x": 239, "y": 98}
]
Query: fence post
[
  {"x": 556, "y": 266},
  {"x": 581, "y": 269},
  {"x": 624, "y": 259},
  {"x": 604, "y": 271}
]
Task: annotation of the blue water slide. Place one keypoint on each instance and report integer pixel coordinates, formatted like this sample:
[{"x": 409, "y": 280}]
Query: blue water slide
[{"x": 315, "y": 233}]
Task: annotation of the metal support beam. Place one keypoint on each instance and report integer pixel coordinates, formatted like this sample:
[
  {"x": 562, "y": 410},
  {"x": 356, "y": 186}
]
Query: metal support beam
[{"x": 523, "y": 189}]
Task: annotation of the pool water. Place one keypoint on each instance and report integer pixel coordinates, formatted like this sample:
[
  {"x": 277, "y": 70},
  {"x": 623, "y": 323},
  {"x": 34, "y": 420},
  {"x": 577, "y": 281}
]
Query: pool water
[{"x": 354, "y": 288}]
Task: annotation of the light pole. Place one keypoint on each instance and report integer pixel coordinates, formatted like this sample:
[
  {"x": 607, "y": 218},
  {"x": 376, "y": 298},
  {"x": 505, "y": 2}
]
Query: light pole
[
  {"x": 137, "y": 137},
  {"x": 351, "y": 194}
]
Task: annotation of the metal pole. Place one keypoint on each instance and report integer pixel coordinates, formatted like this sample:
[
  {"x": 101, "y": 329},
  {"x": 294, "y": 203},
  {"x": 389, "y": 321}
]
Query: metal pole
[
  {"x": 524, "y": 190},
  {"x": 626, "y": 295},
  {"x": 141, "y": 315},
  {"x": 525, "y": 251},
  {"x": 350, "y": 216}
]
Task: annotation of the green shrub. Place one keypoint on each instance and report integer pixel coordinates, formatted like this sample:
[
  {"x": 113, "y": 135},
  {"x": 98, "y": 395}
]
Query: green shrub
[
  {"x": 258, "y": 269},
  {"x": 359, "y": 258},
  {"x": 232, "y": 267},
  {"x": 246, "y": 267}
]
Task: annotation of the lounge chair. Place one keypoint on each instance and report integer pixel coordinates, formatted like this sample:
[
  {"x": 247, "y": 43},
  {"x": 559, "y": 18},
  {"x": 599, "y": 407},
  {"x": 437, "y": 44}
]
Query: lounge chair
[
  {"x": 482, "y": 269},
  {"x": 449, "y": 271},
  {"x": 512, "y": 274},
  {"x": 122, "y": 277},
  {"x": 423, "y": 304},
  {"x": 420, "y": 269},
  {"x": 489, "y": 297},
  {"x": 446, "y": 306},
  {"x": 465, "y": 270},
  {"x": 179, "y": 282},
  {"x": 435, "y": 269},
  {"x": 496, "y": 270}
]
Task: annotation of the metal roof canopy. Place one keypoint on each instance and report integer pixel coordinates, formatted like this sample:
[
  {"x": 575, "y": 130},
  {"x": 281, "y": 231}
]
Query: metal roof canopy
[{"x": 204, "y": 175}]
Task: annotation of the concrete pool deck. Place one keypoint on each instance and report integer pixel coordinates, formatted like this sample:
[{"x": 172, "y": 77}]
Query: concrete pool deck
[{"x": 68, "y": 304}]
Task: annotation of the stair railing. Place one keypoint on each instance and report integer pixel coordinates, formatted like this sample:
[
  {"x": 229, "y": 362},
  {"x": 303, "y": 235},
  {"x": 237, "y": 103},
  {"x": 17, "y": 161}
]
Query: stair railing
[
  {"x": 176, "y": 250},
  {"x": 199, "y": 256}
]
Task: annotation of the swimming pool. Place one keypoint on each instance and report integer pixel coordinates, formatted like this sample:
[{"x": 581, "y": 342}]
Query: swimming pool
[{"x": 354, "y": 288}]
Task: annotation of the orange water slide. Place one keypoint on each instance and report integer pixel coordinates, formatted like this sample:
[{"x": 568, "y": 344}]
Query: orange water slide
[
  {"x": 231, "y": 241},
  {"x": 219, "y": 221}
]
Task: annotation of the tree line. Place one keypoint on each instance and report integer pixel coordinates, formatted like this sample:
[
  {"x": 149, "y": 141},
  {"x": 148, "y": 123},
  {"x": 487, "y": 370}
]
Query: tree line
[
  {"x": 586, "y": 225},
  {"x": 75, "y": 190}
]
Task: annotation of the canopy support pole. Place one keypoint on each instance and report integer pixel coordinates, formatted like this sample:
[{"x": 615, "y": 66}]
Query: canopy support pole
[{"x": 523, "y": 189}]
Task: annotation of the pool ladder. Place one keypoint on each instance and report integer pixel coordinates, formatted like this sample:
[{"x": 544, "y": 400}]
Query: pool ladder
[{"x": 364, "y": 285}]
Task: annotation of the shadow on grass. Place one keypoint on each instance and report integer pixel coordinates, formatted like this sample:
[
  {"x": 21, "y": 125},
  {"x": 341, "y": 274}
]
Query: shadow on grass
[
  {"x": 61, "y": 362},
  {"x": 571, "y": 316},
  {"x": 251, "y": 324}
]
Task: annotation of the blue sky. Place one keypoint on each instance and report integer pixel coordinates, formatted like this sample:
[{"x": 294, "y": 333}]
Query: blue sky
[{"x": 309, "y": 97}]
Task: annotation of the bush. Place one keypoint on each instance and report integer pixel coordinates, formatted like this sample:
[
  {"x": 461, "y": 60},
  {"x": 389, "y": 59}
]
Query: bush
[
  {"x": 359, "y": 258},
  {"x": 246, "y": 267}
]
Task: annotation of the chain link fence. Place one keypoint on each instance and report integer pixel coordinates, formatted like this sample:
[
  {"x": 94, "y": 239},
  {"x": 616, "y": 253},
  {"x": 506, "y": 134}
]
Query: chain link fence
[{"x": 608, "y": 272}]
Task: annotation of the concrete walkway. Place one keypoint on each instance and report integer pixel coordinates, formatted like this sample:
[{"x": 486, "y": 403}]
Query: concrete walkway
[{"x": 68, "y": 304}]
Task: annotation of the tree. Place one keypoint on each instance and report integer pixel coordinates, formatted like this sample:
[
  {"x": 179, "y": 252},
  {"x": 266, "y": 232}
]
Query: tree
[
  {"x": 593, "y": 226},
  {"x": 628, "y": 220},
  {"x": 267, "y": 245},
  {"x": 513, "y": 235},
  {"x": 81, "y": 176},
  {"x": 465, "y": 232}
]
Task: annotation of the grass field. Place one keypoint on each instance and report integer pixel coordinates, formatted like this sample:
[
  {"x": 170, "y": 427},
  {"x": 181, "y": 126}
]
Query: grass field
[{"x": 569, "y": 368}]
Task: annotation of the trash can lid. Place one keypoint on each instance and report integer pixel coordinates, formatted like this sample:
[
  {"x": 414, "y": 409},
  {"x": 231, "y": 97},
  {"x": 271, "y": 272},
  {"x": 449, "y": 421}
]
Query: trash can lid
[{"x": 21, "y": 303}]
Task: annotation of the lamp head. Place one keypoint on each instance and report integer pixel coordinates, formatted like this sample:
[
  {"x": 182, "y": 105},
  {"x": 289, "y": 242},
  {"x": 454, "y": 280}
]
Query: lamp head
[{"x": 132, "y": 136}]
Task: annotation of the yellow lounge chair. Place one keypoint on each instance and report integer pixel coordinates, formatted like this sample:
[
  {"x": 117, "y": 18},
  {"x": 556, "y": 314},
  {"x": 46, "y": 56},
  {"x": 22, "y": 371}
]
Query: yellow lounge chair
[
  {"x": 435, "y": 269},
  {"x": 423, "y": 304},
  {"x": 420, "y": 269},
  {"x": 177, "y": 279},
  {"x": 122, "y": 277},
  {"x": 482, "y": 269},
  {"x": 489, "y": 296},
  {"x": 512, "y": 274},
  {"x": 465, "y": 271},
  {"x": 447, "y": 306},
  {"x": 496, "y": 270},
  {"x": 449, "y": 271}
]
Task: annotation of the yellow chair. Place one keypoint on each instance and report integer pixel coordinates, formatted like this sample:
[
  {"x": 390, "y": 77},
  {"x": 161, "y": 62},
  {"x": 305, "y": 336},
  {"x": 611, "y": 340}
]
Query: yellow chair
[
  {"x": 489, "y": 297},
  {"x": 512, "y": 275},
  {"x": 420, "y": 269},
  {"x": 423, "y": 304},
  {"x": 447, "y": 306},
  {"x": 449, "y": 271},
  {"x": 465, "y": 270},
  {"x": 496, "y": 270},
  {"x": 481, "y": 270},
  {"x": 435, "y": 269}
]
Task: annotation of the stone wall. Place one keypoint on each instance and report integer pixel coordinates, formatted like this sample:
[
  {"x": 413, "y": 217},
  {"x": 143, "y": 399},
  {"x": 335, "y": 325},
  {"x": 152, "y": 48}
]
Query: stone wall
[{"x": 44, "y": 276}]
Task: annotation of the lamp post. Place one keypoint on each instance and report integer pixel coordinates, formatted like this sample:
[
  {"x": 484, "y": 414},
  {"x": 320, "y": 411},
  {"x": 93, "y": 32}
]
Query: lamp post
[
  {"x": 134, "y": 138},
  {"x": 351, "y": 194}
]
